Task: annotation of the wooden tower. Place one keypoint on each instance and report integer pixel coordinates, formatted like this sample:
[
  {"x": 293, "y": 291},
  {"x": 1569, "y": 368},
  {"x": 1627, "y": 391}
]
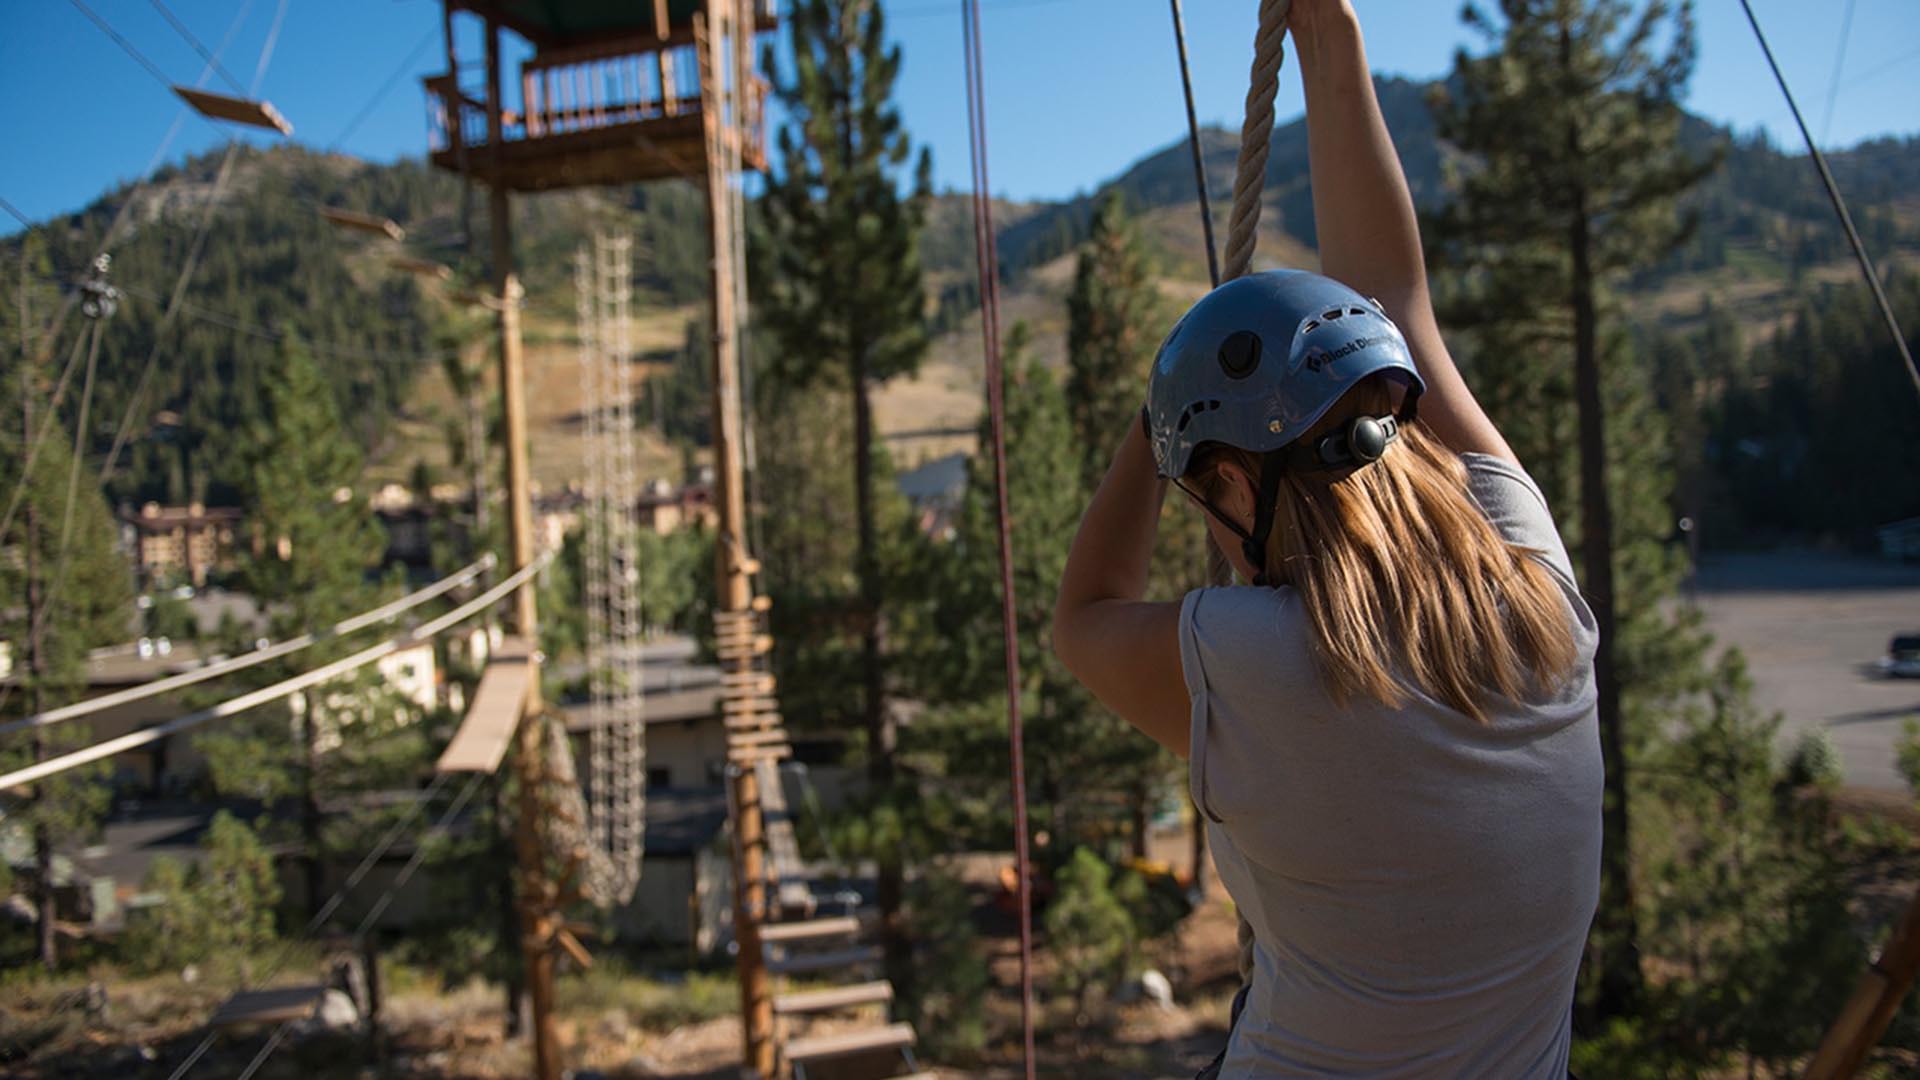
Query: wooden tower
[{"x": 615, "y": 92}]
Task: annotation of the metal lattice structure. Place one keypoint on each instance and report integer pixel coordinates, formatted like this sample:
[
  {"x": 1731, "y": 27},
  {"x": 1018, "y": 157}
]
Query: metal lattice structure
[{"x": 616, "y": 782}]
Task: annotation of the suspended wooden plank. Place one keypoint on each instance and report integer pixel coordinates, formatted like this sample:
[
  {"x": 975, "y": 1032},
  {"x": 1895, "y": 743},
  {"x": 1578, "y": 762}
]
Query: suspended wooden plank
[
  {"x": 806, "y": 963},
  {"x": 260, "y": 114},
  {"x": 845, "y": 1044},
  {"x": 833, "y": 997},
  {"x": 275, "y": 1006},
  {"x": 810, "y": 929},
  {"x": 367, "y": 223},
  {"x": 491, "y": 720},
  {"x": 424, "y": 267}
]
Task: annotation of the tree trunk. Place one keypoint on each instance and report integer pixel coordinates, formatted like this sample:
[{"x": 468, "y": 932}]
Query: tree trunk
[
  {"x": 36, "y": 673},
  {"x": 513, "y": 980},
  {"x": 881, "y": 736},
  {"x": 43, "y": 871},
  {"x": 310, "y": 805},
  {"x": 1616, "y": 924},
  {"x": 1142, "y": 815}
]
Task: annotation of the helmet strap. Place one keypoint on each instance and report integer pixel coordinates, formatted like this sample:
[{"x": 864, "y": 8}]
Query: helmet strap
[
  {"x": 1273, "y": 466},
  {"x": 1252, "y": 543}
]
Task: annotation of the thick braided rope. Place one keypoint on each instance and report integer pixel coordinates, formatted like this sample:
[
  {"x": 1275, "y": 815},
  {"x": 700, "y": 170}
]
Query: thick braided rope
[{"x": 1256, "y": 134}]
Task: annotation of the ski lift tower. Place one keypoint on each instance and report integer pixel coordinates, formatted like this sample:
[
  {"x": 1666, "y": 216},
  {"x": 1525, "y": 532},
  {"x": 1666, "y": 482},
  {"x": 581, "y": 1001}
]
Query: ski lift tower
[{"x": 616, "y": 92}]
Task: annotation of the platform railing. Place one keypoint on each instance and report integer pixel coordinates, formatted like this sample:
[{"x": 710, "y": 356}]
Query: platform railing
[
  {"x": 581, "y": 90},
  {"x": 589, "y": 88}
]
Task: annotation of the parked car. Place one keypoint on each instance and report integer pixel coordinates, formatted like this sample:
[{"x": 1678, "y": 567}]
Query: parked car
[{"x": 1903, "y": 657}]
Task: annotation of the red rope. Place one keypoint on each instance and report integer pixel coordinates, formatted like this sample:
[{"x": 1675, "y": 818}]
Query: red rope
[{"x": 988, "y": 260}]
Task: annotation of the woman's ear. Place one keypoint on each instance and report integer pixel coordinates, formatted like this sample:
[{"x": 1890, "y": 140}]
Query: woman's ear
[{"x": 1237, "y": 488}]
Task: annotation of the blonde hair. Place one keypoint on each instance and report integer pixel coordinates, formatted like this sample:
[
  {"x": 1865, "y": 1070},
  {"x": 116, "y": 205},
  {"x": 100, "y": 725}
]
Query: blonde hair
[{"x": 1404, "y": 578}]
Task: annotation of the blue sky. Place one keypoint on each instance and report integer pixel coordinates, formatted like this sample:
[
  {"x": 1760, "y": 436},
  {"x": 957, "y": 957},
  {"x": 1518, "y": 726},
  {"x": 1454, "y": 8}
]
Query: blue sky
[{"x": 1076, "y": 89}]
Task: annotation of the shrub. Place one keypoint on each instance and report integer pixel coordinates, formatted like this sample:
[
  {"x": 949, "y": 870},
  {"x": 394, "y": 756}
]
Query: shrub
[
  {"x": 1815, "y": 760},
  {"x": 1089, "y": 931},
  {"x": 952, "y": 977}
]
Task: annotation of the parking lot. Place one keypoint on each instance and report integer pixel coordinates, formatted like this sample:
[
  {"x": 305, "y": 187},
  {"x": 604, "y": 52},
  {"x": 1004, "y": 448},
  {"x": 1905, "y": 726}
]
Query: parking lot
[{"x": 1810, "y": 625}]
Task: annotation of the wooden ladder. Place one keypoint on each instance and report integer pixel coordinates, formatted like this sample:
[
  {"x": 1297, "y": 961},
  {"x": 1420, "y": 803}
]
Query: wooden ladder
[{"x": 796, "y": 948}]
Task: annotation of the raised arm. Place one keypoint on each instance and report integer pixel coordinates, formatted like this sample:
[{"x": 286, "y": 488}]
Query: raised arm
[{"x": 1369, "y": 236}]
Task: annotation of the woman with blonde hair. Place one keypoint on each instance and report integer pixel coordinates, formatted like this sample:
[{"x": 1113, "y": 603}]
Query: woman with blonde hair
[{"x": 1390, "y": 729}]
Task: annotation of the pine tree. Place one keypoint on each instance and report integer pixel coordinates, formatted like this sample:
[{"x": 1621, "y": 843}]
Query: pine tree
[
  {"x": 1571, "y": 127},
  {"x": 1749, "y": 912},
  {"x": 1086, "y": 768},
  {"x": 840, "y": 291},
  {"x": 315, "y": 542},
  {"x": 82, "y": 594},
  {"x": 79, "y": 591},
  {"x": 1114, "y": 323},
  {"x": 1116, "y": 319}
]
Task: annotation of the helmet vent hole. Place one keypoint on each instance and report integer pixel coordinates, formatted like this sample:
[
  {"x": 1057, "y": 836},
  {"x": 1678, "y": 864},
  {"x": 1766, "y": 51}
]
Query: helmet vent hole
[
  {"x": 1355, "y": 311},
  {"x": 1312, "y": 325},
  {"x": 1240, "y": 354},
  {"x": 1331, "y": 314}
]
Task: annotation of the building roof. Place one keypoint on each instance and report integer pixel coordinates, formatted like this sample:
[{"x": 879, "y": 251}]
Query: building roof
[
  {"x": 681, "y": 821},
  {"x": 942, "y": 478}
]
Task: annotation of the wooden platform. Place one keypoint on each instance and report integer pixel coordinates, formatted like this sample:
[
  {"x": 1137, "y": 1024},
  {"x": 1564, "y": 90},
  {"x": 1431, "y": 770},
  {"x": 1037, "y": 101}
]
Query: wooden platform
[
  {"x": 494, "y": 714},
  {"x": 274, "y": 1006},
  {"x": 654, "y": 149}
]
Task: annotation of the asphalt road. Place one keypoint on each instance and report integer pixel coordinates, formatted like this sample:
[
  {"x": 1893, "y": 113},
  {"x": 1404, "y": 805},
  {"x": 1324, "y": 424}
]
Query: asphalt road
[{"x": 1810, "y": 624}]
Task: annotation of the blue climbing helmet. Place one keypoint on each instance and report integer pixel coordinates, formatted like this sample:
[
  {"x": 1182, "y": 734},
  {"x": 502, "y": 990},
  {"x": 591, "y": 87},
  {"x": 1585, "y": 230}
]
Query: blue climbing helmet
[{"x": 1256, "y": 363}]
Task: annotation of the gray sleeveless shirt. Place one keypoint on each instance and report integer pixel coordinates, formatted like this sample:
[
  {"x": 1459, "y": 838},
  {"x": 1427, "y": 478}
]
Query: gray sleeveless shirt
[{"x": 1419, "y": 884}]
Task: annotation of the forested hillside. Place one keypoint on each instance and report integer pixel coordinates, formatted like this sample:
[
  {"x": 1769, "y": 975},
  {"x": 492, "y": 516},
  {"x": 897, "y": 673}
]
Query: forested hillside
[{"x": 272, "y": 268}]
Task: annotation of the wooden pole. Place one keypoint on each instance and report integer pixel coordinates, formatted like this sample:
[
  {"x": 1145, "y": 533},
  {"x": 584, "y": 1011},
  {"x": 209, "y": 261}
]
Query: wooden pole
[
  {"x": 535, "y": 890},
  {"x": 1864, "y": 1018},
  {"x": 734, "y": 563}
]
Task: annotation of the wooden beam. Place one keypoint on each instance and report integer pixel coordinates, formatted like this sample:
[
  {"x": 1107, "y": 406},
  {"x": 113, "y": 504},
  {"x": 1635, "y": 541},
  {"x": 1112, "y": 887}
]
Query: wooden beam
[
  {"x": 260, "y": 114},
  {"x": 491, "y": 719},
  {"x": 366, "y": 223},
  {"x": 1876, "y": 997}
]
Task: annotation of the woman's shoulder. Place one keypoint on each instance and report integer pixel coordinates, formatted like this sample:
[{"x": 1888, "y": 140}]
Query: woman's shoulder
[
  {"x": 1238, "y": 634},
  {"x": 1510, "y": 499}
]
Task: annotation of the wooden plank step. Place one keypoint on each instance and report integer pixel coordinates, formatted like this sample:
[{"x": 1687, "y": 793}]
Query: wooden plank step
[
  {"x": 833, "y": 997},
  {"x": 260, "y": 114},
  {"x": 748, "y": 704},
  {"x": 801, "y": 963},
  {"x": 746, "y": 644},
  {"x": 752, "y": 679},
  {"x": 494, "y": 714},
  {"x": 809, "y": 929},
  {"x": 367, "y": 223},
  {"x": 757, "y": 722},
  {"x": 747, "y": 740},
  {"x": 749, "y": 754},
  {"x": 827, "y": 1047}
]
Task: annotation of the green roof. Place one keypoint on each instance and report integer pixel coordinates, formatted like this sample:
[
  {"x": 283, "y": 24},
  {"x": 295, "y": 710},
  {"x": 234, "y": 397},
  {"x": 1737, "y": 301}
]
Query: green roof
[{"x": 571, "y": 21}]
